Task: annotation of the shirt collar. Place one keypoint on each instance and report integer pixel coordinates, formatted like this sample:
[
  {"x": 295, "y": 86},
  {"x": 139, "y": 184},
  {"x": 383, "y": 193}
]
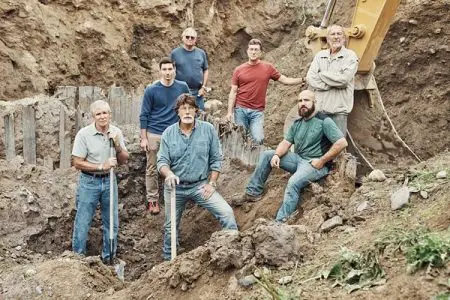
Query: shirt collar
[
  {"x": 93, "y": 130},
  {"x": 340, "y": 54}
]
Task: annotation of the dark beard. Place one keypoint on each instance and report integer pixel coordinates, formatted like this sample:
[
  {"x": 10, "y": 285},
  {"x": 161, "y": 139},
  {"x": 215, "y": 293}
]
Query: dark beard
[{"x": 307, "y": 113}]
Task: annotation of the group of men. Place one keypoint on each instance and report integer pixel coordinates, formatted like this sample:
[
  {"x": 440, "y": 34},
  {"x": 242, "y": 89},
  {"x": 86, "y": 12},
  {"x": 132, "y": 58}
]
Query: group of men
[{"x": 186, "y": 151}]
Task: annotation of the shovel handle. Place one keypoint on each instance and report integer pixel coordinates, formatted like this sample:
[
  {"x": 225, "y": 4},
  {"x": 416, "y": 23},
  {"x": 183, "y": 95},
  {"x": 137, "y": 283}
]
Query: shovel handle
[{"x": 173, "y": 224}]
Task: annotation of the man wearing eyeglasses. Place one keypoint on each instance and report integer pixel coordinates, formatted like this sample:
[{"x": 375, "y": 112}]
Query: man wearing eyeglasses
[
  {"x": 247, "y": 98},
  {"x": 316, "y": 139},
  {"x": 331, "y": 76},
  {"x": 191, "y": 65}
]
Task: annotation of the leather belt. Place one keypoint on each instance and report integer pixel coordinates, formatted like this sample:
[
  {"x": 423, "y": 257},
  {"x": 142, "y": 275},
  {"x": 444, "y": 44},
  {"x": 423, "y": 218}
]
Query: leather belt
[
  {"x": 96, "y": 175},
  {"x": 191, "y": 182}
]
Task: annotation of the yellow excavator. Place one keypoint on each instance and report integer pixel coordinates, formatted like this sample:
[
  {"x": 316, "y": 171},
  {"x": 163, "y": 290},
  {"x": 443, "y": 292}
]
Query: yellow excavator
[{"x": 371, "y": 135}]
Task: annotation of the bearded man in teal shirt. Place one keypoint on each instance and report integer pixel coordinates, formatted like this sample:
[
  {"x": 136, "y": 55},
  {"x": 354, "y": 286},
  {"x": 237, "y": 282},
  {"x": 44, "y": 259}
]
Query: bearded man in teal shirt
[{"x": 316, "y": 139}]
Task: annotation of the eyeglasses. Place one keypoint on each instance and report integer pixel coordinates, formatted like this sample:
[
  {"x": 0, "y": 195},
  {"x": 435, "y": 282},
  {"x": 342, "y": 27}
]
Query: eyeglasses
[{"x": 190, "y": 37}]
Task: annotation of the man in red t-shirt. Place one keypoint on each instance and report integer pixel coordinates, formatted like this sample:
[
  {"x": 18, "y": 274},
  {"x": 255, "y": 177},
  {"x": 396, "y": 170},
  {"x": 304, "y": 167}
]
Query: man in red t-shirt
[{"x": 247, "y": 98}]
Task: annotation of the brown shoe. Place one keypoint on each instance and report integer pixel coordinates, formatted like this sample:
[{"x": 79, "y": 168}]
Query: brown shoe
[
  {"x": 153, "y": 208},
  {"x": 246, "y": 198}
]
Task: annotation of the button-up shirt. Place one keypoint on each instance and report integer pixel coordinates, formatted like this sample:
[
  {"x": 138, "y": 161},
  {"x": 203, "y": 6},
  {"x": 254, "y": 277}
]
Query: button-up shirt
[
  {"x": 191, "y": 157},
  {"x": 332, "y": 80}
]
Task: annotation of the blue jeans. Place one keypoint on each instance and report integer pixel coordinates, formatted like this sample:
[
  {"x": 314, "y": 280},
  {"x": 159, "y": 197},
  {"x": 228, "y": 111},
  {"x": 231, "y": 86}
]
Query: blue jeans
[
  {"x": 215, "y": 205},
  {"x": 253, "y": 122},
  {"x": 199, "y": 100},
  {"x": 302, "y": 174},
  {"x": 92, "y": 191}
]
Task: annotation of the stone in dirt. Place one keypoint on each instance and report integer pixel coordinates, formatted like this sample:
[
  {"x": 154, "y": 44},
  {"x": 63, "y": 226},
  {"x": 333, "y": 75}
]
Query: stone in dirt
[
  {"x": 363, "y": 206},
  {"x": 441, "y": 175},
  {"x": 285, "y": 280},
  {"x": 331, "y": 223},
  {"x": 377, "y": 176},
  {"x": 400, "y": 198}
]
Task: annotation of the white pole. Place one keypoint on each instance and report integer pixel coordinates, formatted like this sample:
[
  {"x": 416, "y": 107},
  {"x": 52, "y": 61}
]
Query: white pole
[
  {"x": 111, "y": 208},
  {"x": 173, "y": 223}
]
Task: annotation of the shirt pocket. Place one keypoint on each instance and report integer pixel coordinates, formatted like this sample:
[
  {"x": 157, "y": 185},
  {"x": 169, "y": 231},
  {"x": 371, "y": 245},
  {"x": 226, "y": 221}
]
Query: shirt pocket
[
  {"x": 177, "y": 151},
  {"x": 201, "y": 149}
]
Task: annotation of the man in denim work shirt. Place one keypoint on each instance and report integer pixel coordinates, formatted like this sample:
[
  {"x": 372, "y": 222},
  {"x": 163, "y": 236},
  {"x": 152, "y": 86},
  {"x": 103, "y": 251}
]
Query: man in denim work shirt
[
  {"x": 317, "y": 140},
  {"x": 91, "y": 155},
  {"x": 190, "y": 158}
]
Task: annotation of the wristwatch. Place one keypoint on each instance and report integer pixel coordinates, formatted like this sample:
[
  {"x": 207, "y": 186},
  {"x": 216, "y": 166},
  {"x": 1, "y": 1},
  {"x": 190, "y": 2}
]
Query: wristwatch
[{"x": 213, "y": 184}]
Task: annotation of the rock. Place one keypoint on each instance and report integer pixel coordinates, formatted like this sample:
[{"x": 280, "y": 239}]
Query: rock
[
  {"x": 39, "y": 290},
  {"x": 438, "y": 30},
  {"x": 424, "y": 194},
  {"x": 377, "y": 176},
  {"x": 413, "y": 189},
  {"x": 184, "y": 286},
  {"x": 441, "y": 175},
  {"x": 285, "y": 280},
  {"x": 30, "y": 272},
  {"x": 18, "y": 248},
  {"x": 413, "y": 22},
  {"x": 400, "y": 198},
  {"x": 331, "y": 223},
  {"x": 432, "y": 51},
  {"x": 402, "y": 40},
  {"x": 363, "y": 206},
  {"x": 247, "y": 281}
]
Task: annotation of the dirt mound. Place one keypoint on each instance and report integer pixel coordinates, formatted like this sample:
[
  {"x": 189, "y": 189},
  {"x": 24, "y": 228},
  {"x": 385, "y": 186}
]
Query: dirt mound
[{"x": 53, "y": 42}]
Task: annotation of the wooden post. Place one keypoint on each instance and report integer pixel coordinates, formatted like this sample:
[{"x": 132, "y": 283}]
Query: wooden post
[
  {"x": 10, "y": 145},
  {"x": 64, "y": 141},
  {"x": 29, "y": 135}
]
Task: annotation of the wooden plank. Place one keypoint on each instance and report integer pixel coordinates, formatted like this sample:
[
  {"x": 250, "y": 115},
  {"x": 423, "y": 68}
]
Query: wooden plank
[
  {"x": 10, "y": 145},
  {"x": 64, "y": 141},
  {"x": 115, "y": 96},
  {"x": 29, "y": 135}
]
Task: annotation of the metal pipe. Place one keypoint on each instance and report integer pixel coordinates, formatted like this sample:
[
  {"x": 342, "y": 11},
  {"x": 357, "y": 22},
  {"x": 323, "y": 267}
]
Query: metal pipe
[{"x": 328, "y": 12}]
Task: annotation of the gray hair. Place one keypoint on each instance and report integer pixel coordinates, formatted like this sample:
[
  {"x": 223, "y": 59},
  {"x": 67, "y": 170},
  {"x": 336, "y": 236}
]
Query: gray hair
[
  {"x": 99, "y": 104},
  {"x": 189, "y": 29}
]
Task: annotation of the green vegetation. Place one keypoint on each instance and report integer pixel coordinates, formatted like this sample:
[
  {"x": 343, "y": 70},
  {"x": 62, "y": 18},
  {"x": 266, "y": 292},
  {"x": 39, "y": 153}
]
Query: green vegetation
[
  {"x": 424, "y": 180},
  {"x": 267, "y": 282},
  {"x": 421, "y": 248},
  {"x": 355, "y": 271}
]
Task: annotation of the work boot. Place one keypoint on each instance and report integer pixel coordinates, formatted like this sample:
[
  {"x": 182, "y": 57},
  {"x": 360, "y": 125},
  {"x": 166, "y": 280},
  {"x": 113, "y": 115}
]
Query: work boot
[
  {"x": 153, "y": 207},
  {"x": 246, "y": 198}
]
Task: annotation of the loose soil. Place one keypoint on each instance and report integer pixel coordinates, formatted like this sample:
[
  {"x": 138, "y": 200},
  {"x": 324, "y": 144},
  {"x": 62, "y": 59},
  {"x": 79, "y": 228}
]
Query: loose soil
[{"x": 48, "y": 43}]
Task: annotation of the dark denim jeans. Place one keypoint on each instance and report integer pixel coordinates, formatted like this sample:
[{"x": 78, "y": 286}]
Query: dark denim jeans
[
  {"x": 302, "y": 174},
  {"x": 216, "y": 205},
  {"x": 92, "y": 191}
]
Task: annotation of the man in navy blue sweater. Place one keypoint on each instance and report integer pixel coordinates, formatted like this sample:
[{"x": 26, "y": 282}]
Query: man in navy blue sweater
[{"x": 157, "y": 113}]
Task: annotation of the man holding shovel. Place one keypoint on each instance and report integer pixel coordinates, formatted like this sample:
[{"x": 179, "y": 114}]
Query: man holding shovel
[
  {"x": 93, "y": 156},
  {"x": 190, "y": 158}
]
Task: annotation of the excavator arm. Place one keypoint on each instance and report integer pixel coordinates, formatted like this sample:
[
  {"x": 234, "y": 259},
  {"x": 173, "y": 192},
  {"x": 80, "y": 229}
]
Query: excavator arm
[{"x": 371, "y": 135}]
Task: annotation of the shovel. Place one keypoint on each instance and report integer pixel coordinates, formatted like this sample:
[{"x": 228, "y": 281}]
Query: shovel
[
  {"x": 111, "y": 206},
  {"x": 120, "y": 266},
  {"x": 173, "y": 224}
]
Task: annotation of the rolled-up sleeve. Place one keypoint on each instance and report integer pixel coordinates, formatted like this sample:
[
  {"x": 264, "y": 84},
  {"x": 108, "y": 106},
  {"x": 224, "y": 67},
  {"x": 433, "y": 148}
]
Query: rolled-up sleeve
[
  {"x": 163, "y": 156},
  {"x": 215, "y": 152}
]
